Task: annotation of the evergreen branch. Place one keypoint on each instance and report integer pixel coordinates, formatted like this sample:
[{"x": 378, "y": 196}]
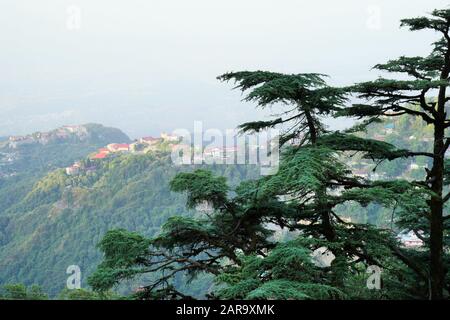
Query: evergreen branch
[
  {"x": 424, "y": 116},
  {"x": 418, "y": 235},
  {"x": 425, "y": 105},
  {"x": 408, "y": 261},
  {"x": 425, "y": 154},
  {"x": 446, "y": 145},
  {"x": 445, "y": 199}
]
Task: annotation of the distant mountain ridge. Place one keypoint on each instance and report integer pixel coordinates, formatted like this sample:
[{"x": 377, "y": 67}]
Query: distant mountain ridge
[
  {"x": 92, "y": 132},
  {"x": 21, "y": 152}
]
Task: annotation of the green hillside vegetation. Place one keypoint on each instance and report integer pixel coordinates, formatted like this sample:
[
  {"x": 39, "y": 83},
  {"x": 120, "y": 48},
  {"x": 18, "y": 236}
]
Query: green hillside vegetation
[
  {"x": 22, "y": 292},
  {"x": 33, "y": 161},
  {"x": 60, "y": 221}
]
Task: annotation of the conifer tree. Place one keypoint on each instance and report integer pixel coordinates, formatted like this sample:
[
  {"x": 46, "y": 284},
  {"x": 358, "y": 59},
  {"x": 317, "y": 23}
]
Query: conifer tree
[
  {"x": 235, "y": 241},
  {"x": 422, "y": 93},
  {"x": 300, "y": 198}
]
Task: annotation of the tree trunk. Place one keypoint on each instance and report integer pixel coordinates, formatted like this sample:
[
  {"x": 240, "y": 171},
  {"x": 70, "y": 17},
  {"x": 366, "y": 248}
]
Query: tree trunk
[
  {"x": 436, "y": 220},
  {"x": 437, "y": 274}
]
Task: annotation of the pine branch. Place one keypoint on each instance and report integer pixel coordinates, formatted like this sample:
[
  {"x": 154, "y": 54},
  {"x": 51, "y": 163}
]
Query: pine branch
[
  {"x": 409, "y": 262},
  {"x": 445, "y": 199},
  {"x": 424, "y": 116},
  {"x": 446, "y": 145},
  {"x": 425, "y": 105}
]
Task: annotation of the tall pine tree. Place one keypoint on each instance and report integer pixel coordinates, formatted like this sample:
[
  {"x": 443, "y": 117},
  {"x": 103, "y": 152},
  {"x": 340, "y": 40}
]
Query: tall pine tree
[
  {"x": 235, "y": 241},
  {"x": 423, "y": 94}
]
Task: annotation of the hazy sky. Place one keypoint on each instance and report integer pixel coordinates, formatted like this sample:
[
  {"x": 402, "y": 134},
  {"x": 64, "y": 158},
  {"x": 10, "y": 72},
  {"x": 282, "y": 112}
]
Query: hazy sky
[{"x": 147, "y": 66}]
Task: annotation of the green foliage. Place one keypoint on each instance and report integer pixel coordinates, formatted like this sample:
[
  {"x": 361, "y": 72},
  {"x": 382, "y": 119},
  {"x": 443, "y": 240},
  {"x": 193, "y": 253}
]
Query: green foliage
[
  {"x": 387, "y": 193},
  {"x": 438, "y": 21},
  {"x": 412, "y": 97},
  {"x": 307, "y": 93},
  {"x": 287, "y": 273},
  {"x": 304, "y": 170},
  {"x": 21, "y": 292},
  {"x": 34, "y": 161},
  {"x": 290, "y": 290},
  {"x": 371, "y": 149},
  {"x": 61, "y": 219},
  {"x": 128, "y": 248},
  {"x": 234, "y": 240},
  {"x": 418, "y": 67},
  {"x": 201, "y": 186},
  {"x": 387, "y": 86},
  {"x": 34, "y": 292},
  {"x": 83, "y": 294}
]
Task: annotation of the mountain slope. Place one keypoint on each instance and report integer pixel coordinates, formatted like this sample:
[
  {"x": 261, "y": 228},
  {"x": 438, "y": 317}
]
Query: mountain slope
[
  {"x": 25, "y": 159},
  {"x": 60, "y": 221}
]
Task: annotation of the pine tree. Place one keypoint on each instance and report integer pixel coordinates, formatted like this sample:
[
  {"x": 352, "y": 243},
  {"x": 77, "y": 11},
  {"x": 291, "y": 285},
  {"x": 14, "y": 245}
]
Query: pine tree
[
  {"x": 415, "y": 97},
  {"x": 300, "y": 198},
  {"x": 312, "y": 174},
  {"x": 235, "y": 241}
]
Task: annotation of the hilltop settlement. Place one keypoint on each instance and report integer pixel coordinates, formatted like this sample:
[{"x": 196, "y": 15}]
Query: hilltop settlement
[{"x": 139, "y": 146}]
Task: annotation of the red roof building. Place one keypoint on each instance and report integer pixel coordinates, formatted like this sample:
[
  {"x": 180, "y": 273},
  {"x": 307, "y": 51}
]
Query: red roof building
[
  {"x": 115, "y": 147},
  {"x": 101, "y": 155}
]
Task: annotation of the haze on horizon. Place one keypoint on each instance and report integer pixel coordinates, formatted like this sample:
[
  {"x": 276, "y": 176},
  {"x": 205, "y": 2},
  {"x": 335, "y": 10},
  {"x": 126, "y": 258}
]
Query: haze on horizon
[{"x": 151, "y": 66}]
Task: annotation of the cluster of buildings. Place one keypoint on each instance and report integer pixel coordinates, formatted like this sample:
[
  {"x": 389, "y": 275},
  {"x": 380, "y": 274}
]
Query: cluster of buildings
[
  {"x": 172, "y": 143},
  {"x": 16, "y": 141},
  {"x": 78, "y": 167},
  {"x": 45, "y": 137},
  {"x": 141, "y": 145},
  {"x": 145, "y": 144}
]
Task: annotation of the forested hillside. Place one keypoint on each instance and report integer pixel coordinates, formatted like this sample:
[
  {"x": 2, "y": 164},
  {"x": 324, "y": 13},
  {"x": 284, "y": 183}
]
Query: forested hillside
[
  {"x": 62, "y": 218},
  {"x": 26, "y": 159}
]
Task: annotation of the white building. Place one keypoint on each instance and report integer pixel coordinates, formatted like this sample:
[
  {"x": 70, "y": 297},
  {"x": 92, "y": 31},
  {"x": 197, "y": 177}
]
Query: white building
[
  {"x": 149, "y": 140},
  {"x": 74, "y": 169},
  {"x": 169, "y": 137}
]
